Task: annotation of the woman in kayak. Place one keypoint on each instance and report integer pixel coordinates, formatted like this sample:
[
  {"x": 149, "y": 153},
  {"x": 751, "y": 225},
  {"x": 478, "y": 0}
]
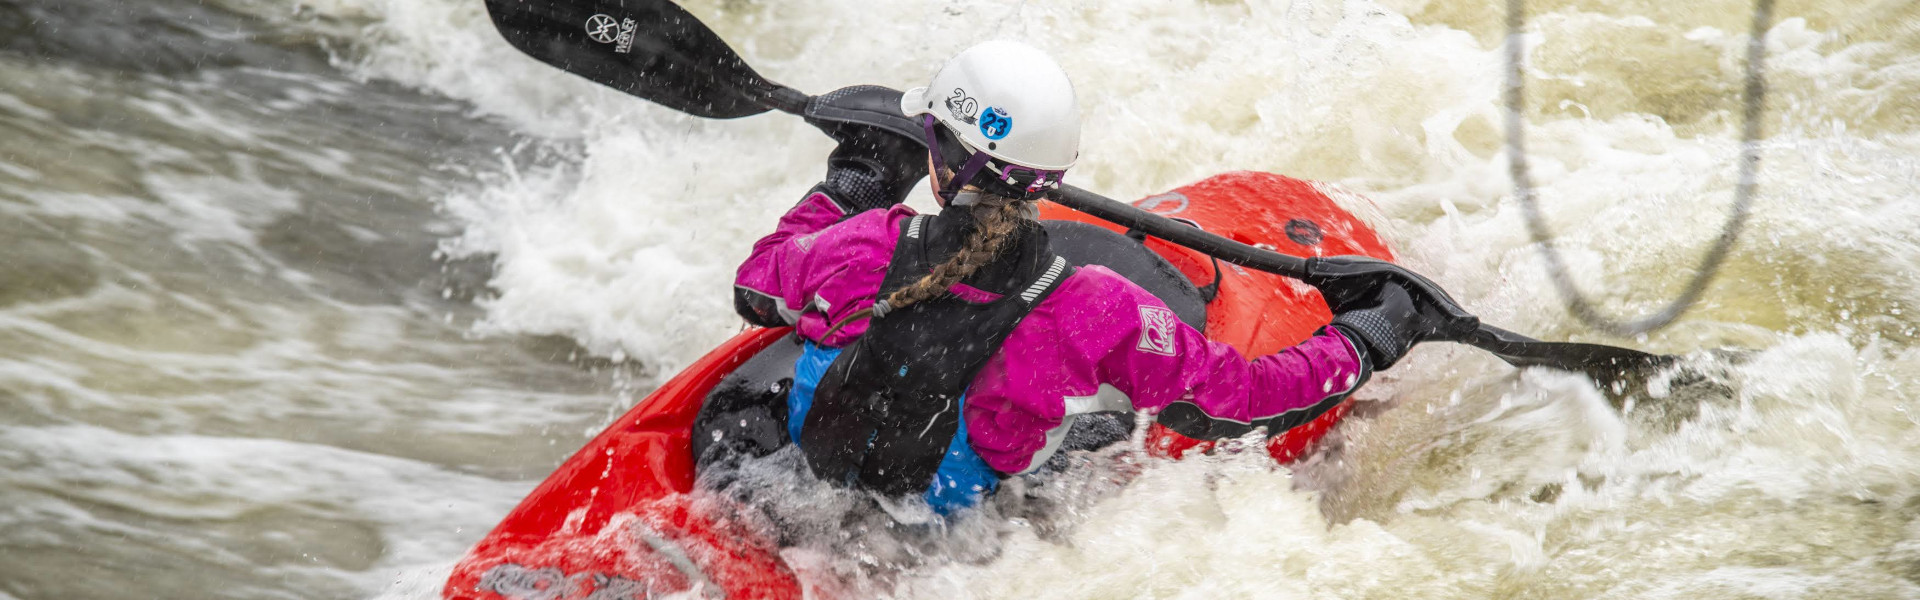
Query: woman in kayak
[{"x": 945, "y": 352}]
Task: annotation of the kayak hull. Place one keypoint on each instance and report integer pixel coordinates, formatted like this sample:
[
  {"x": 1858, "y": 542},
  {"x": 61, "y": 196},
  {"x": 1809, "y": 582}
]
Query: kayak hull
[
  {"x": 613, "y": 517},
  {"x": 616, "y": 520}
]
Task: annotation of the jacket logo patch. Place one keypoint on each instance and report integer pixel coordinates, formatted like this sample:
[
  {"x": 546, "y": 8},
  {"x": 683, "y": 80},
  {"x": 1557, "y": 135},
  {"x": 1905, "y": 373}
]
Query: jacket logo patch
[{"x": 1156, "y": 331}]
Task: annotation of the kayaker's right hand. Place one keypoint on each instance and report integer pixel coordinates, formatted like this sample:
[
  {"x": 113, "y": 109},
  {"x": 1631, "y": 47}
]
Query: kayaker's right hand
[
  {"x": 872, "y": 168},
  {"x": 1389, "y": 322}
]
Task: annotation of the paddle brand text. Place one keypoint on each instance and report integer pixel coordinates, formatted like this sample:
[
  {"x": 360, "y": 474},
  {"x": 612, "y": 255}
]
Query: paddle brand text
[{"x": 604, "y": 29}]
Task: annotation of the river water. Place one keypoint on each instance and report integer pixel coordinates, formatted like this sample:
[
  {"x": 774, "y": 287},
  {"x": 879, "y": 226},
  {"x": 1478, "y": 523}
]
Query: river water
[{"x": 298, "y": 297}]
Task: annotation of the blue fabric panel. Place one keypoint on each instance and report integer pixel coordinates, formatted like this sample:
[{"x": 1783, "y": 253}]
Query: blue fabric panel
[
  {"x": 962, "y": 478},
  {"x": 807, "y": 372}
]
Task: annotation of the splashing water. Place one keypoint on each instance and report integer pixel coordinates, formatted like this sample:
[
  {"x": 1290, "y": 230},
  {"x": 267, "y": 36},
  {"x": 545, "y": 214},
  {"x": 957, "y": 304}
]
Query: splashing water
[{"x": 300, "y": 297}]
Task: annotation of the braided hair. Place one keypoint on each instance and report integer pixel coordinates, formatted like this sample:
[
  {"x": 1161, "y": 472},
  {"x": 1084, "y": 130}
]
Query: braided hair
[{"x": 996, "y": 218}]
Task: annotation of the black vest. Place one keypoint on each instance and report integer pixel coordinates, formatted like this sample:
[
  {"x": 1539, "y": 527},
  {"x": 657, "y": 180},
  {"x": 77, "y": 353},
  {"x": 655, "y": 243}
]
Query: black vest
[{"x": 887, "y": 408}]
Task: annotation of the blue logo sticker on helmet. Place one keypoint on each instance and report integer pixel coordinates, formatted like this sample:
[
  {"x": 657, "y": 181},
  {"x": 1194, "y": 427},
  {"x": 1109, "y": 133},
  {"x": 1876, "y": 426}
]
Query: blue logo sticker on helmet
[{"x": 995, "y": 124}]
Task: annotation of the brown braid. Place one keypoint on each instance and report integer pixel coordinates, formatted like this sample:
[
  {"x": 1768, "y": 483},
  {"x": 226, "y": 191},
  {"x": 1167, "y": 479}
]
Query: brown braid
[{"x": 995, "y": 219}]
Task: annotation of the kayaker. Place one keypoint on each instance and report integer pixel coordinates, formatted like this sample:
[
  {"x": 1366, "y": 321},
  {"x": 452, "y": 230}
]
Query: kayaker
[{"x": 944, "y": 352}]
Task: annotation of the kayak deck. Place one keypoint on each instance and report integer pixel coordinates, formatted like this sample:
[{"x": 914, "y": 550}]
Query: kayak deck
[{"x": 616, "y": 520}]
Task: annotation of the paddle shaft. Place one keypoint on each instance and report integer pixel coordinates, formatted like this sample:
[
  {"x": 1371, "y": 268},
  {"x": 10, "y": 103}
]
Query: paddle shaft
[
  {"x": 1132, "y": 217},
  {"x": 655, "y": 50}
]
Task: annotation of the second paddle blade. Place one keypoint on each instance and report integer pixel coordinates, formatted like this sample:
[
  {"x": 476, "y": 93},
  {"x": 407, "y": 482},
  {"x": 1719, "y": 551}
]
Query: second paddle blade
[
  {"x": 651, "y": 49},
  {"x": 1606, "y": 363}
]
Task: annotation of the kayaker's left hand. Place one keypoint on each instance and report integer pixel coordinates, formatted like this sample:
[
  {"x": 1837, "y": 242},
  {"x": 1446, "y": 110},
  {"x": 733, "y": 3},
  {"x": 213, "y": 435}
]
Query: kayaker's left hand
[
  {"x": 873, "y": 168},
  {"x": 1389, "y": 322}
]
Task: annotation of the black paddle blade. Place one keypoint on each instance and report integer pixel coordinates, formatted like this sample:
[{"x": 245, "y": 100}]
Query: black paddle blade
[
  {"x": 1342, "y": 279},
  {"x": 651, "y": 49},
  {"x": 1606, "y": 363}
]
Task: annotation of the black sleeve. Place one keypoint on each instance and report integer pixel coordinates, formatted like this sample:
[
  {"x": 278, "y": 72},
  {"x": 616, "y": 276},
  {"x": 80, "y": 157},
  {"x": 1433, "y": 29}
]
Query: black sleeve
[{"x": 757, "y": 308}]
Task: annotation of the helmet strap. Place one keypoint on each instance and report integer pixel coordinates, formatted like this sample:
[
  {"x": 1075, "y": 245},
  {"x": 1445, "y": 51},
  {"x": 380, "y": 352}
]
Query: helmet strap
[
  {"x": 967, "y": 171},
  {"x": 975, "y": 162},
  {"x": 935, "y": 162}
]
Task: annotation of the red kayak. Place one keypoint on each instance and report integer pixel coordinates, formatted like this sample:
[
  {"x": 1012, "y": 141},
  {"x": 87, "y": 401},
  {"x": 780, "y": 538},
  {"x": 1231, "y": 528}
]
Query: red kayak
[{"x": 616, "y": 520}]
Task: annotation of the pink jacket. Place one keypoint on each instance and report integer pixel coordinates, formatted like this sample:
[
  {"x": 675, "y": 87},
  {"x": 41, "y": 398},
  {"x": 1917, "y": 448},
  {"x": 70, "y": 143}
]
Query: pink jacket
[{"x": 1098, "y": 343}]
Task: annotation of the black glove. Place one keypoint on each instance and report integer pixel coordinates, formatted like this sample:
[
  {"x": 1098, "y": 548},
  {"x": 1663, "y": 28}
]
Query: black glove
[
  {"x": 1390, "y": 321},
  {"x": 872, "y": 167}
]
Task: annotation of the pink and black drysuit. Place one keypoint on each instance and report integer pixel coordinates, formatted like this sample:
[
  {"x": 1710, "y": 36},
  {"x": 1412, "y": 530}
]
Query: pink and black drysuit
[{"x": 1096, "y": 342}]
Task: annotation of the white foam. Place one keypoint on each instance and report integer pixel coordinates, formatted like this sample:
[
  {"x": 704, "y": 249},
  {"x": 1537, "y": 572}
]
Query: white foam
[{"x": 1507, "y": 482}]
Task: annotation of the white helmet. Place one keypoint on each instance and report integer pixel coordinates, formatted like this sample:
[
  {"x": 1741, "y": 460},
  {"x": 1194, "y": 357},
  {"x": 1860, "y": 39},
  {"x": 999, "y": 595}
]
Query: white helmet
[{"x": 1009, "y": 101}]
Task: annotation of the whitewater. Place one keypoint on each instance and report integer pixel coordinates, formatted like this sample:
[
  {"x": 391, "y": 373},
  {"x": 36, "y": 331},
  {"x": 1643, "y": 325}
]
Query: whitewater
[{"x": 299, "y": 297}]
